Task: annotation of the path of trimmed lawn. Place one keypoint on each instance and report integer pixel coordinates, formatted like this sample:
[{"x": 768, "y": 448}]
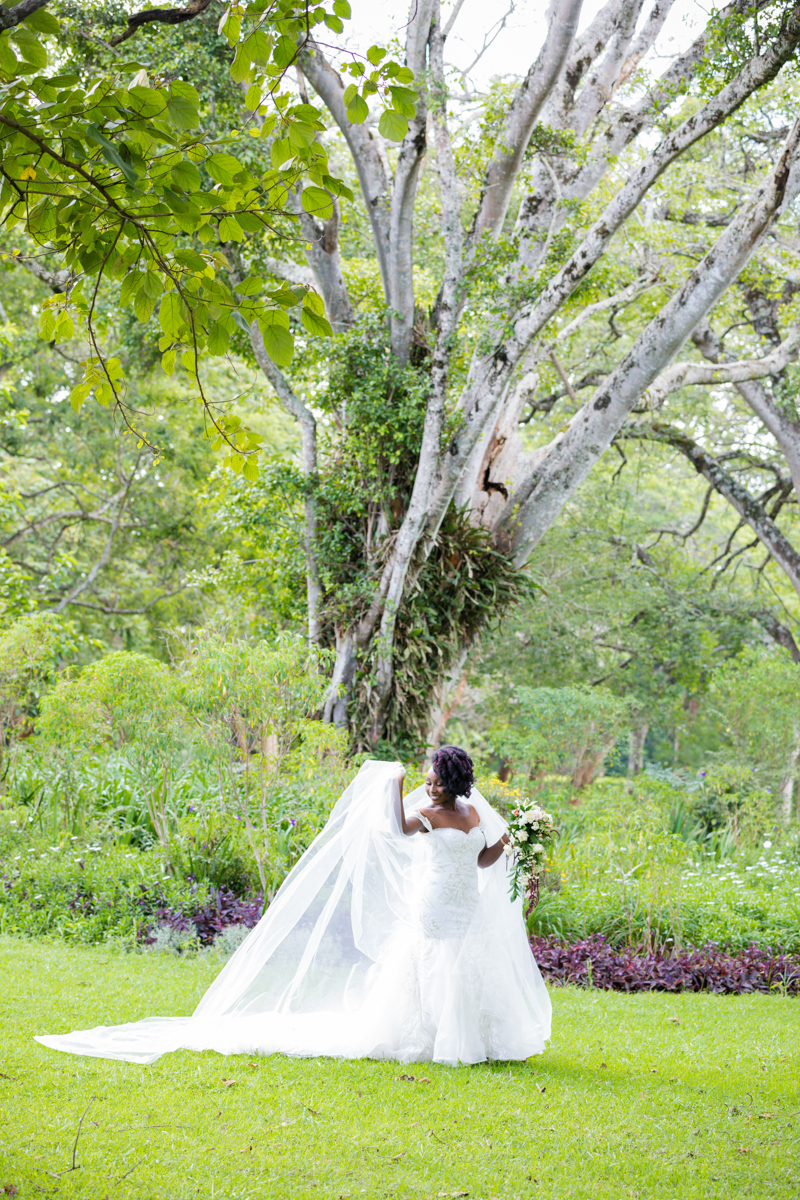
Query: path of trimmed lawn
[{"x": 671, "y": 1097}]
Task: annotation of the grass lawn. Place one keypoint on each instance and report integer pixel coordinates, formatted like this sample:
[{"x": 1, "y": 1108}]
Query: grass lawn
[{"x": 648, "y": 1096}]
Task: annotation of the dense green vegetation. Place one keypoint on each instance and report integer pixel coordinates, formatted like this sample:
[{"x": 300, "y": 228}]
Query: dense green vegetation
[{"x": 657, "y": 1096}]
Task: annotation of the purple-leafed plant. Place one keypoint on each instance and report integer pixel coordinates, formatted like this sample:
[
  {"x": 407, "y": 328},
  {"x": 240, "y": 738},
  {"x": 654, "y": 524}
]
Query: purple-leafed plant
[
  {"x": 209, "y": 919},
  {"x": 594, "y": 963}
]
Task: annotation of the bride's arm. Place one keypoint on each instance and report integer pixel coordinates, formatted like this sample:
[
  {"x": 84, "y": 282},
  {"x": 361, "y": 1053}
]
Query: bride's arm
[
  {"x": 408, "y": 825},
  {"x": 490, "y": 854}
]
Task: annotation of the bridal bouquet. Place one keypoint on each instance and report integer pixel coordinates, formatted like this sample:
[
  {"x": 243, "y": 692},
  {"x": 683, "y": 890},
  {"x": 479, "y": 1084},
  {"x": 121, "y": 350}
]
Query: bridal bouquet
[{"x": 531, "y": 830}]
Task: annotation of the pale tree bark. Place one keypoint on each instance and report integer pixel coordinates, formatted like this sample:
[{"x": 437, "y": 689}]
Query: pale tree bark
[
  {"x": 636, "y": 740},
  {"x": 788, "y": 789}
]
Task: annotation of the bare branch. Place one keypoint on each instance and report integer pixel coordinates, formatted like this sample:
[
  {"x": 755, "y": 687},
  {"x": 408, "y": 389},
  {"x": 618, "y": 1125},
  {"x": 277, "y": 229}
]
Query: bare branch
[
  {"x": 164, "y": 16},
  {"x": 10, "y": 17},
  {"x": 57, "y": 281},
  {"x": 690, "y": 374},
  {"x": 102, "y": 561},
  {"x": 559, "y": 469},
  {"x": 749, "y": 509},
  {"x": 752, "y": 76},
  {"x": 521, "y": 118},
  {"x": 369, "y": 157}
]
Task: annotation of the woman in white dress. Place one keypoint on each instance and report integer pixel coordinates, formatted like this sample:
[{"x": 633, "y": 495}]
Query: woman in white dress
[{"x": 379, "y": 944}]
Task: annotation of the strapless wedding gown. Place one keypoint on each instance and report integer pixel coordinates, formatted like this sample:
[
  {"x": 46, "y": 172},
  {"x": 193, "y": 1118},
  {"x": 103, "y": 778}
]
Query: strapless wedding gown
[{"x": 377, "y": 945}]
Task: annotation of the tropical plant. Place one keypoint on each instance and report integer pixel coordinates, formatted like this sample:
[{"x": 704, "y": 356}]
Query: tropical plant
[
  {"x": 568, "y": 730},
  {"x": 255, "y": 705}
]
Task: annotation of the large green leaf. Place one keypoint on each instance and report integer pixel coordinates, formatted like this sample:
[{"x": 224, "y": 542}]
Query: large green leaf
[
  {"x": 170, "y": 314},
  {"x": 317, "y": 202},
  {"x": 393, "y": 125},
  {"x": 278, "y": 343},
  {"x": 183, "y": 105}
]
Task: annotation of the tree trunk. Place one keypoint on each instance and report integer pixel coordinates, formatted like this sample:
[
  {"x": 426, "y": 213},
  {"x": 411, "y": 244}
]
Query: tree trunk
[
  {"x": 789, "y": 785},
  {"x": 636, "y": 741}
]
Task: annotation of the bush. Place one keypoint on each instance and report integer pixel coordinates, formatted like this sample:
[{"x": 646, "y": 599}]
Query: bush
[{"x": 595, "y": 963}]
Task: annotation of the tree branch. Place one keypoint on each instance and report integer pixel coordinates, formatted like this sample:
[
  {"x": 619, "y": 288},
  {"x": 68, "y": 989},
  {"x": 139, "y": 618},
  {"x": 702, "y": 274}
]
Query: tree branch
[
  {"x": 102, "y": 561},
  {"x": 164, "y": 16},
  {"x": 692, "y": 374},
  {"x": 10, "y": 17},
  {"x": 518, "y": 126},
  {"x": 555, "y": 473},
  {"x": 369, "y": 157},
  {"x": 748, "y": 508}
]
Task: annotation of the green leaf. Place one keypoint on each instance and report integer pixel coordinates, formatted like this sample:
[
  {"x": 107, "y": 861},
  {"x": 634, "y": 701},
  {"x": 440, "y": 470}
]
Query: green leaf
[
  {"x": 257, "y": 47},
  {"x": 350, "y": 92},
  {"x": 342, "y": 9},
  {"x": 230, "y": 27},
  {"x": 8, "y": 59},
  {"x": 78, "y": 395},
  {"x": 315, "y": 324},
  {"x": 250, "y": 286},
  {"x": 404, "y": 100},
  {"x": 30, "y": 47},
  {"x": 110, "y": 152},
  {"x": 170, "y": 314},
  {"x": 218, "y": 338},
  {"x": 375, "y": 54},
  {"x": 230, "y": 230},
  {"x": 186, "y": 176},
  {"x": 278, "y": 343},
  {"x": 168, "y": 361},
  {"x": 182, "y": 105},
  {"x": 240, "y": 321},
  {"x": 130, "y": 284},
  {"x": 285, "y": 51},
  {"x": 240, "y": 68},
  {"x": 333, "y": 23},
  {"x": 44, "y": 22},
  {"x": 223, "y": 167},
  {"x": 393, "y": 125},
  {"x": 253, "y": 97},
  {"x": 317, "y": 202},
  {"x": 250, "y": 470},
  {"x": 357, "y": 110},
  {"x": 315, "y": 302},
  {"x": 280, "y": 152}
]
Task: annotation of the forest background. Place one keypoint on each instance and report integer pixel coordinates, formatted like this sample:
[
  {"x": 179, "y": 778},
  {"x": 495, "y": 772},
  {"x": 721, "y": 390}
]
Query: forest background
[{"x": 222, "y": 585}]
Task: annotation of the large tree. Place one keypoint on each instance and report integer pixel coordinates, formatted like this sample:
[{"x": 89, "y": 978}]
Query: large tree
[
  {"x": 577, "y": 163},
  {"x": 423, "y": 496}
]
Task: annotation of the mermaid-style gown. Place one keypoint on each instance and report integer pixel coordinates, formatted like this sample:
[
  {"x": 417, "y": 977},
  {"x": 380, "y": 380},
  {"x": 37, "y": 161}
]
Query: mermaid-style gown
[{"x": 377, "y": 946}]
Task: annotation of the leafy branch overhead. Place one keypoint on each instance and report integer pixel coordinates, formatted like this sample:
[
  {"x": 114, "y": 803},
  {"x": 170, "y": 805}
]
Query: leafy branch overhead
[{"x": 119, "y": 177}]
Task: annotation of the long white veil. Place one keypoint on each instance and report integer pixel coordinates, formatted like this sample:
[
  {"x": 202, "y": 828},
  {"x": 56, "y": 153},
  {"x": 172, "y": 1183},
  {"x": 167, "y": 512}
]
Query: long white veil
[{"x": 304, "y": 979}]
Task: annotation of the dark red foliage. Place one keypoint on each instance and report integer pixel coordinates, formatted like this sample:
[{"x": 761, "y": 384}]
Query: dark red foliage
[
  {"x": 594, "y": 963},
  {"x": 209, "y": 919}
]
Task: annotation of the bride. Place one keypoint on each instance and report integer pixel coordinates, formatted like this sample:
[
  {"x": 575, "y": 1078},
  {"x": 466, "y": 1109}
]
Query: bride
[{"x": 393, "y": 937}]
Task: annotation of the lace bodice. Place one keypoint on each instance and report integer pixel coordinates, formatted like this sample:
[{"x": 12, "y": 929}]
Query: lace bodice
[{"x": 448, "y": 879}]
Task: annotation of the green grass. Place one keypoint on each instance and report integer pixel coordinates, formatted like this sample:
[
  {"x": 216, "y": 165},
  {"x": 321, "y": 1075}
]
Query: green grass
[{"x": 638, "y": 1096}]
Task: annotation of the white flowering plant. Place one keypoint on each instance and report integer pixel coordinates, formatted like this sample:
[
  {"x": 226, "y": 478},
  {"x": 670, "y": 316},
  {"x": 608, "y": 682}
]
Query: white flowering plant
[{"x": 530, "y": 832}]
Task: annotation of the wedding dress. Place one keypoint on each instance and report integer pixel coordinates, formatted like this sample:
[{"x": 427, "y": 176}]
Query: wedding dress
[{"x": 377, "y": 945}]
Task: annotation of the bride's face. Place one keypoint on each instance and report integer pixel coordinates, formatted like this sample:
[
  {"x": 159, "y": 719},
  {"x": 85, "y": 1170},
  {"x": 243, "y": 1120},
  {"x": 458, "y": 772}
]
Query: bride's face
[{"x": 433, "y": 786}]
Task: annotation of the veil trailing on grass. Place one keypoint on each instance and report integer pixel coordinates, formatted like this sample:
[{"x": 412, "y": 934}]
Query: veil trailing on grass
[{"x": 328, "y": 968}]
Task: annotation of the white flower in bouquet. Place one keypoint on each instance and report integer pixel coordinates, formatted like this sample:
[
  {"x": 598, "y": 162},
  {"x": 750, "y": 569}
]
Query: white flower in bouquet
[
  {"x": 522, "y": 835},
  {"x": 538, "y": 848}
]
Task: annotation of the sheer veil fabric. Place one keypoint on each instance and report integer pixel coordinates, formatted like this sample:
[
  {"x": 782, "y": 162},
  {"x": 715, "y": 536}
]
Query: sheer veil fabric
[{"x": 342, "y": 965}]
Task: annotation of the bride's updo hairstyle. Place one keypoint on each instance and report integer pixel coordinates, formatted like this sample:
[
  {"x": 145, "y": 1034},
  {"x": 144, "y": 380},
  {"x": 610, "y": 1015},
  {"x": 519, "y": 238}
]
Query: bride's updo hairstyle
[{"x": 454, "y": 768}]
